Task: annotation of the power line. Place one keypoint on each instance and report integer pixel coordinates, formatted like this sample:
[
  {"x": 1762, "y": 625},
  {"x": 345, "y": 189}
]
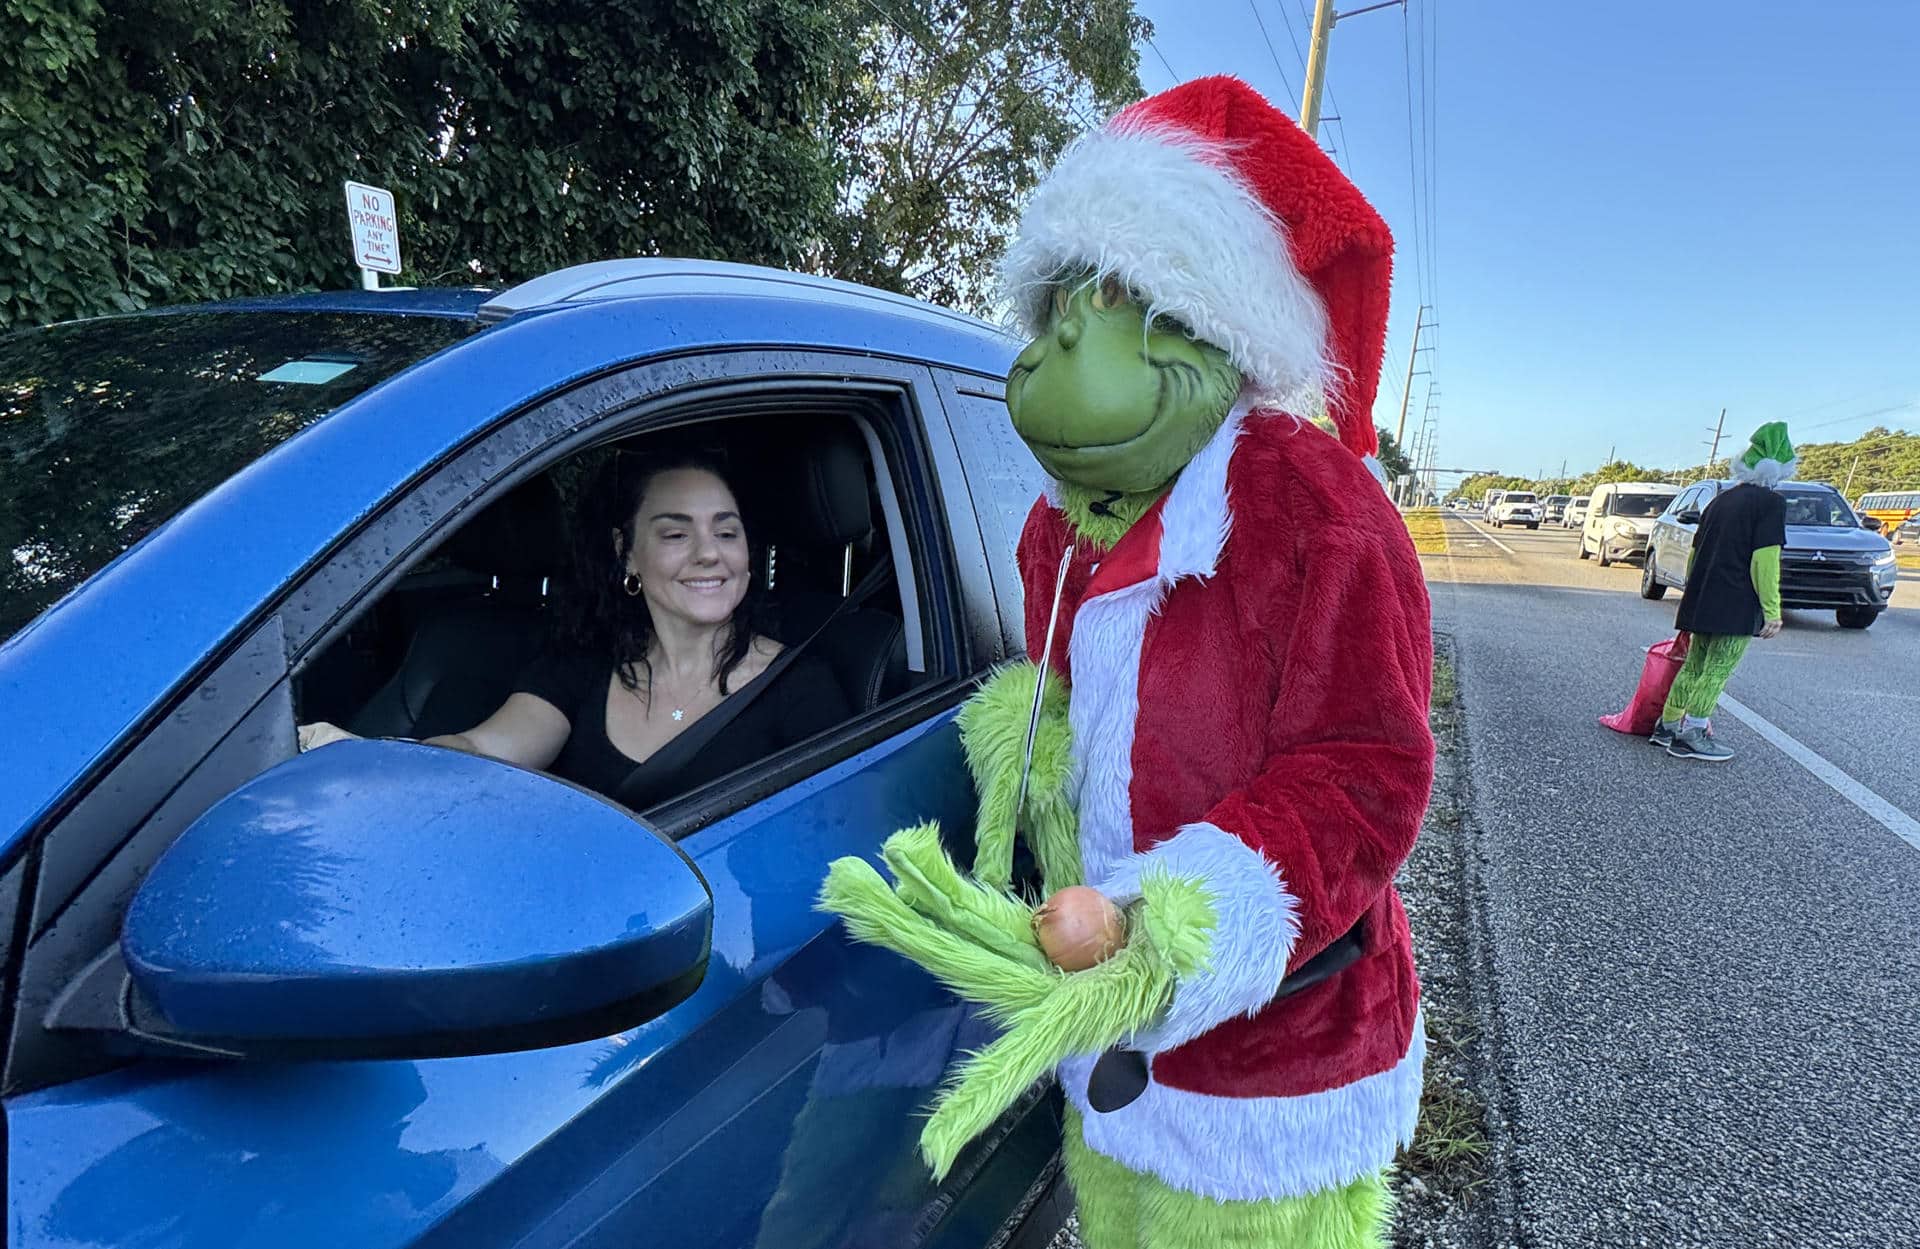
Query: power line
[
  {"x": 1415, "y": 177},
  {"x": 1255, "y": 10},
  {"x": 1431, "y": 101},
  {"x": 1163, "y": 60}
]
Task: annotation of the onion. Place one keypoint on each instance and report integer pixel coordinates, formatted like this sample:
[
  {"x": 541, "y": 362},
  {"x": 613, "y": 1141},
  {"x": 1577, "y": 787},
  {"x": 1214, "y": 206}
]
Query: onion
[{"x": 1078, "y": 927}]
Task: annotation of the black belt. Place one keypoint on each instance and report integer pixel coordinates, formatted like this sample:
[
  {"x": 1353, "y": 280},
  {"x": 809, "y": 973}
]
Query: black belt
[{"x": 1121, "y": 1075}]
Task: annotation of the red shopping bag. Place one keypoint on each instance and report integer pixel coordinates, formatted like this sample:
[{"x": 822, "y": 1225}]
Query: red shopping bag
[{"x": 1656, "y": 679}]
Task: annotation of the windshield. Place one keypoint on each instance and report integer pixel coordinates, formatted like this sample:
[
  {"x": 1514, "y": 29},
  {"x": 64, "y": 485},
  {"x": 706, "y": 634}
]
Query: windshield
[
  {"x": 1556, "y": 498},
  {"x": 1818, "y": 507},
  {"x": 109, "y": 427},
  {"x": 1517, "y": 498},
  {"x": 1638, "y": 504}
]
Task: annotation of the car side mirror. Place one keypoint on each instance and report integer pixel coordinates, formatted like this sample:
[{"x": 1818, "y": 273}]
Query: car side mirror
[
  {"x": 1870, "y": 522},
  {"x": 383, "y": 899},
  {"x": 1687, "y": 517}
]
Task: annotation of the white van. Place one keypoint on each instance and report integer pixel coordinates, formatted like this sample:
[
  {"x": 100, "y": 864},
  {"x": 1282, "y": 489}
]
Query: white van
[{"x": 1620, "y": 518}]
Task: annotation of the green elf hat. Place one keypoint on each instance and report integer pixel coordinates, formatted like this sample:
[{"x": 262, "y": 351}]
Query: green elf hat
[{"x": 1769, "y": 459}]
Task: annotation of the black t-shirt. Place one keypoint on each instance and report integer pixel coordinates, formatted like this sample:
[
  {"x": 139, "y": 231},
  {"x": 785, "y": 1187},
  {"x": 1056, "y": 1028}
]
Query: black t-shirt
[
  {"x": 1720, "y": 597},
  {"x": 803, "y": 699}
]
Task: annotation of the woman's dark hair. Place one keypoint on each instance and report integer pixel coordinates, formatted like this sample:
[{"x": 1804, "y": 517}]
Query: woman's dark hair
[{"x": 597, "y": 616}]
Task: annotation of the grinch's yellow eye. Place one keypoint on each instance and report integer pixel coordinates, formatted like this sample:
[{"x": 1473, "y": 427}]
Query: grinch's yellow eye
[
  {"x": 1060, "y": 301},
  {"x": 1110, "y": 294}
]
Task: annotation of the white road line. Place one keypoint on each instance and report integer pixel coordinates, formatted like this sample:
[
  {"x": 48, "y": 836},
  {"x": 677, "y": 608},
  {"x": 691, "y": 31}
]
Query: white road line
[
  {"x": 1489, "y": 537},
  {"x": 1888, "y": 816}
]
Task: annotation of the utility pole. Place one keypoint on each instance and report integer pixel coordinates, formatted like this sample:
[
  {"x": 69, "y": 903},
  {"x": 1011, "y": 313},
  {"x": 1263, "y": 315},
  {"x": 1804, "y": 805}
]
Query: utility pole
[
  {"x": 1406, "y": 392},
  {"x": 1714, "y": 453},
  {"x": 1323, "y": 20},
  {"x": 1846, "y": 489}
]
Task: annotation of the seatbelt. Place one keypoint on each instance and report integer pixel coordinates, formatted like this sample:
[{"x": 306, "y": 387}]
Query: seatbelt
[{"x": 708, "y": 727}]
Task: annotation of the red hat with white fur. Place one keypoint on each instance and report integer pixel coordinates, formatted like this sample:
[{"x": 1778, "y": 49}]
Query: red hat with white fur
[{"x": 1217, "y": 209}]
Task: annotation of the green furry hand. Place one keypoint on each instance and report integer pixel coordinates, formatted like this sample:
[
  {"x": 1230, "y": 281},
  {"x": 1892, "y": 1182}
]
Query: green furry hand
[
  {"x": 979, "y": 940},
  {"x": 993, "y": 731}
]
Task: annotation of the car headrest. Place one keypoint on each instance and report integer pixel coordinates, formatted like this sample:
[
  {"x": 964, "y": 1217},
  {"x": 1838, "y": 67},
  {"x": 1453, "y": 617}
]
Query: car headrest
[
  {"x": 816, "y": 494},
  {"x": 521, "y": 534}
]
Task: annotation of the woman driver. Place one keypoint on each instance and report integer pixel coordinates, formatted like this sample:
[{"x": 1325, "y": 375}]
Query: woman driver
[{"x": 658, "y": 632}]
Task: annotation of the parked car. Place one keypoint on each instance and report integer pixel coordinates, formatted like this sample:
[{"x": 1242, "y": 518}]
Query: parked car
[
  {"x": 1517, "y": 507},
  {"x": 384, "y": 995},
  {"x": 1556, "y": 508},
  {"x": 1575, "y": 514},
  {"x": 1832, "y": 561},
  {"x": 1620, "y": 518}
]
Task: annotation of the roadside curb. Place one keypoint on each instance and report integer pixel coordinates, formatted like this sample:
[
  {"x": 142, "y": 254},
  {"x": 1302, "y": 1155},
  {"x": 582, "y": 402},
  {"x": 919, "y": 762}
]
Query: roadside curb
[{"x": 1457, "y": 980}]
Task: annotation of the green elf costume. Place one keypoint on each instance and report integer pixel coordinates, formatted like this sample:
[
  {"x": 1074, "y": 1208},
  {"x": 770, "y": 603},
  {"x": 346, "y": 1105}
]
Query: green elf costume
[
  {"x": 1232, "y": 744},
  {"x": 1732, "y": 594}
]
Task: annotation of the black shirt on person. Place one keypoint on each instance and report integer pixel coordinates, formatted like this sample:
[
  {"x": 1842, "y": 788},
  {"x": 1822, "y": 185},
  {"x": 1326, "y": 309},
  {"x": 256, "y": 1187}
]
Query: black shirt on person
[
  {"x": 1720, "y": 597},
  {"x": 804, "y": 699}
]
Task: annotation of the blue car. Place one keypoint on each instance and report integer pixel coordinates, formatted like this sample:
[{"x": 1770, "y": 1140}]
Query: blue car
[{"x": 382, "y": 994}]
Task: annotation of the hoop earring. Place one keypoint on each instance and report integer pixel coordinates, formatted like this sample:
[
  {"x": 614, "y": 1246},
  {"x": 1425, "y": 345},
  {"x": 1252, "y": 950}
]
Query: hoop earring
[{"x": 631, "y": 585}]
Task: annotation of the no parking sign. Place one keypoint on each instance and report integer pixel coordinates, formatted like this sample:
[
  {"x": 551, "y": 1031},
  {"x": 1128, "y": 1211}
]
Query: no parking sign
[{"x": 376, "y": 229}]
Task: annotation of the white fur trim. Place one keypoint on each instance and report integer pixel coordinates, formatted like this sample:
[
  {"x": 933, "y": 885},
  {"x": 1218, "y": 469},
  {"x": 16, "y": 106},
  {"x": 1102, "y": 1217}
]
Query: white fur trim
[
  {"x": 1109, "y": 632},
  {"x": 1258, "y": 1148},
  {"x": 1768, "y": 473},
  {"x": 1103, "y": 707},
  {"x": 1166, "y": 214},
  {"x": 1198, "y": 516},
  {"x": 1256, "y": 923}
]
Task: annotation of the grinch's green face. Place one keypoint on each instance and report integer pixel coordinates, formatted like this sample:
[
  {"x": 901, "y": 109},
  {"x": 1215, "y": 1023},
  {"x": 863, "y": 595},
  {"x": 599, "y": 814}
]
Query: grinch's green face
[{"x": 1110, "y": 402}]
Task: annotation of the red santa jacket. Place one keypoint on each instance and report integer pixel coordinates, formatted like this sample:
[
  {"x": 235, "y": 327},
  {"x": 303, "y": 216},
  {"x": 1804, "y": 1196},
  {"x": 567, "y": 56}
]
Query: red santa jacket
[{"x": 1249, "y": 671}]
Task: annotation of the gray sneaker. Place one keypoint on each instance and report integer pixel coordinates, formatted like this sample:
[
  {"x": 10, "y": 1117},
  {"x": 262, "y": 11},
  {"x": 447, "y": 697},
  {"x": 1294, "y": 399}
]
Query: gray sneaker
[
  {"x": 1662, "y": 734},
  {"x": 1698, "y": 744}
]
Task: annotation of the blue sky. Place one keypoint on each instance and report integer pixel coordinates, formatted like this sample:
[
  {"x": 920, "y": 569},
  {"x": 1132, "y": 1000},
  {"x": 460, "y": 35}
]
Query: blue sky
[{"x": 1643, "y": 212}]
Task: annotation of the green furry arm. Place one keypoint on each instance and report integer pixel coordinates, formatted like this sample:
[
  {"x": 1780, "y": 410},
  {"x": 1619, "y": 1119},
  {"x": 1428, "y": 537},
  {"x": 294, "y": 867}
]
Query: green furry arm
[
  {"x": 993, "y": 731},
  {"x": 1764, "y": 568},
  {"x": 979, "y": 941},
  {"x": 1168, "y": 933}
]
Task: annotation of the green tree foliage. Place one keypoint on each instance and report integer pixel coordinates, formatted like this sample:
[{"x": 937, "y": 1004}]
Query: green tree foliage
[
  {"x": 958, "y": 107},
  {"x": 169, "y": 150},
  {"x": 1888, "y": 459},
  {"x": 1392, "y": 457},
  {"x": 1880, "y": 459}
]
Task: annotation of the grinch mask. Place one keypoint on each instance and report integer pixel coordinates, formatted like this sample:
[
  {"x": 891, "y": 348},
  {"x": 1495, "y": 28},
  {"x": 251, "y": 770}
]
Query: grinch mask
[{"x": 1114, "y": 400}]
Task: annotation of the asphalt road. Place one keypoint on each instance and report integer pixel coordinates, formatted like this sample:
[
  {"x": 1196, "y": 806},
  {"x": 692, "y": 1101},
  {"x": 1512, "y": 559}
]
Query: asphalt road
[{"x": 1706, "y": 977}]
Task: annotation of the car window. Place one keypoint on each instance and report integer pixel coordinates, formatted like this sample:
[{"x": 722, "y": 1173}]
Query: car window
[
  {"x": 510, "y": 600},
  {"x": 109, "y": 427},
  {"x": 1634, "y": 505},
  {"x": 1821, "y": 508}
]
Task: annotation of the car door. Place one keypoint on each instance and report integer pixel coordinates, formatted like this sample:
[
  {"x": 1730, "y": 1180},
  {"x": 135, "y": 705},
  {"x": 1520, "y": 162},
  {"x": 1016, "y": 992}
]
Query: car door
[
  {"x": 1665, "y": 549},
  {"x": 777, "y": 1106}
]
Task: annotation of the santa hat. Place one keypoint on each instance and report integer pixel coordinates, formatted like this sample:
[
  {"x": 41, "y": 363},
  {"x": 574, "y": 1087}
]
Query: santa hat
[{"x": 1216, "y": 209}]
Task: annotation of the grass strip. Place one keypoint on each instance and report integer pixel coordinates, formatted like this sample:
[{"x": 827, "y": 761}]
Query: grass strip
[{"x": 1428, "y": 530}]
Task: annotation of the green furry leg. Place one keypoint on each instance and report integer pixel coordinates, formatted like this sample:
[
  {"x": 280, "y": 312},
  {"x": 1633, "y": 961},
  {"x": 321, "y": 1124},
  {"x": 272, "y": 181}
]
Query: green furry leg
[
  {"x": 993, "y": 731},
  {"x": 1121, "y": 1208},
  {"x": 1711, "y": 659}
]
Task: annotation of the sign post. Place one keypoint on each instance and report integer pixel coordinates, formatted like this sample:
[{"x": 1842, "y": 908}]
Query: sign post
[{"x": 376, "y": 232}]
